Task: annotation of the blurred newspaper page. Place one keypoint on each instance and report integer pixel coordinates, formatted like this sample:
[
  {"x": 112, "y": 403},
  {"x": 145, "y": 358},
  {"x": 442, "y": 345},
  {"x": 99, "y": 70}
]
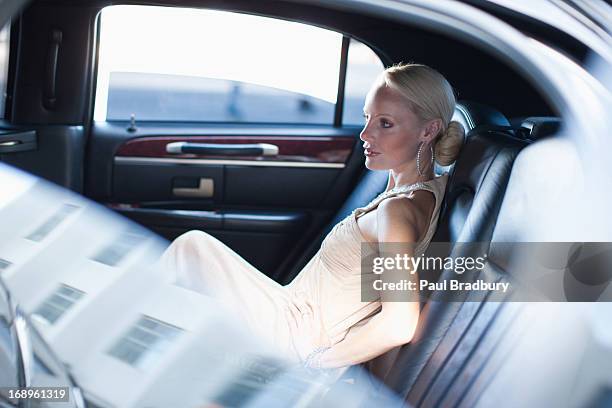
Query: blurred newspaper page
[{"x": 89, "y": 281}]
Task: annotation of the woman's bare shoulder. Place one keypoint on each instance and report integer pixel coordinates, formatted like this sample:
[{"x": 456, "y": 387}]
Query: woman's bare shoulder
[
  {"x": 415, "y": 205},
  {"x": 397, "y": 220},
  {"x": 404, "y": 216}
]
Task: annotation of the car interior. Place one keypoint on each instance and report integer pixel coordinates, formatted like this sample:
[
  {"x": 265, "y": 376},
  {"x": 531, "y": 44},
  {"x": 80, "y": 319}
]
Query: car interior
[{"x": 276, "y": 211}]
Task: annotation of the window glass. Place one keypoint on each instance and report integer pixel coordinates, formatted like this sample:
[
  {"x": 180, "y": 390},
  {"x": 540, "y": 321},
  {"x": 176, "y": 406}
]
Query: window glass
[
  {"x": 363, "y": 66},
  {"x": 173, "y": 64},
  {"x": 4, "y": 62}
]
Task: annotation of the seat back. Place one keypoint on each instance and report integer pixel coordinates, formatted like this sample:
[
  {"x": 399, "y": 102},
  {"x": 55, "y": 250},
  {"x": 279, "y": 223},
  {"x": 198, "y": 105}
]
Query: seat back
[
  {"x": 460, "y": 346},
  {"x": 474, "y": 195}
]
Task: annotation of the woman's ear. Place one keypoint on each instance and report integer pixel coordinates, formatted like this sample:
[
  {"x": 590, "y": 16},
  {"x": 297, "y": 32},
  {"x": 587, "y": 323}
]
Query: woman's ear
[{"x": 431, "y": 130}]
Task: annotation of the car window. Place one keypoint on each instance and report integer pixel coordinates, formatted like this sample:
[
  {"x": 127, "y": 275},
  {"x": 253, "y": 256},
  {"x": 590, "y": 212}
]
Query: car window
[
  {"x": 363, "y": 66},
  {"x": 4, "y": 62},
  {"x": 177, "y": 64}
]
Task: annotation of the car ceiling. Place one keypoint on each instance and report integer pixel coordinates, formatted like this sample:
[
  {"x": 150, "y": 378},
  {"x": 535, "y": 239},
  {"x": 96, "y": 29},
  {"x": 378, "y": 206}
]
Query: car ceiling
[{"x": 474, "y": 74}]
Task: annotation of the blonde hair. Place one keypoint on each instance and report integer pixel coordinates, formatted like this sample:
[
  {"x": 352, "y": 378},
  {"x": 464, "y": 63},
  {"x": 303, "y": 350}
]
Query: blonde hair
[{"x": 430, "y": 96}]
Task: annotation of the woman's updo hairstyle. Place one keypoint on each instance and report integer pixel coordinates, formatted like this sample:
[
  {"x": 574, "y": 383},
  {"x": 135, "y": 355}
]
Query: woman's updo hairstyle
[{"x": 430, "y": 96}]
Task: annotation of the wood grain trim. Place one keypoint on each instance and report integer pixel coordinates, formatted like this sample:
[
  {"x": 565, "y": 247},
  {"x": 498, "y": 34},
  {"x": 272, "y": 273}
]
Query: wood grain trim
[{"x": 291, "y": 148}]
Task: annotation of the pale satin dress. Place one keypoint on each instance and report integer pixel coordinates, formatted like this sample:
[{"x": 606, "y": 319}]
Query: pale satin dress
[{"x": 325, "y": 297}]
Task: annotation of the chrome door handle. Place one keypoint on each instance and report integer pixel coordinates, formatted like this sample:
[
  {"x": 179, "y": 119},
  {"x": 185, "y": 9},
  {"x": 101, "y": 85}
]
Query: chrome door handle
[
  {"x": 223, "y": 149},
  {"x": 13, "y": 141}
]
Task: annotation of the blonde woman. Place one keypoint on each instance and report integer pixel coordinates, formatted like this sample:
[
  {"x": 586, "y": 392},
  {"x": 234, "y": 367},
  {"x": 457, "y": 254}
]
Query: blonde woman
[{"x": 319, "y": 318}]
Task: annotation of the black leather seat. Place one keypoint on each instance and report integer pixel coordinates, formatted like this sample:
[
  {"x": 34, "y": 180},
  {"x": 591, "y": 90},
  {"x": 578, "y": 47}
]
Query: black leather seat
[
  {"x": 482, "y": 170},
  {"x": 461, "y": 345},
  {"x": 474, "y": 195}
]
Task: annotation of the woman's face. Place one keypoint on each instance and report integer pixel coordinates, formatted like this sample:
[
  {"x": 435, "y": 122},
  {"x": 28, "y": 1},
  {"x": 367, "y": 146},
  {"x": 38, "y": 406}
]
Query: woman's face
[{"x": 392, "y": 132}]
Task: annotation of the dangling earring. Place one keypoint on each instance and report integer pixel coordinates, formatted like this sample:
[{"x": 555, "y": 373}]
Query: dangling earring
[
  {"x": 418, "y": 158},
  {"x": 433, "y": 158},
  {"x": 418, "y": 163}
]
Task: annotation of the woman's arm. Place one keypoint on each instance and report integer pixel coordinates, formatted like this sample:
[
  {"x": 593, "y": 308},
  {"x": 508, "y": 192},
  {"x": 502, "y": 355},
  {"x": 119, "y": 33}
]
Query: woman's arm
[
  {"x": 396, "y": 323},
  {"x": 380, "y": 334}
]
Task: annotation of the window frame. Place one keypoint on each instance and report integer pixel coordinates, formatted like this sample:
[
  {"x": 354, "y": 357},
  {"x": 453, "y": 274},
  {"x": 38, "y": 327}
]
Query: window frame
[
  {"x": 13, "y": 33},
  {"x": 340, "y": 92}
]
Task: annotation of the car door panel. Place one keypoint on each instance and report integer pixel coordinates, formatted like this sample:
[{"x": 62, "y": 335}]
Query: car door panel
[
  {"x": 264, "y": 207},
  {"x": 300, "y": 174},
  {"x": 53, "y": 152},
  {"x": 256, "y": 221}
]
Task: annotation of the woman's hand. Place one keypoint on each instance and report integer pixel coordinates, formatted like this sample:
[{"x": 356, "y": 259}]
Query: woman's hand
[{"x": 308, "y": 330}]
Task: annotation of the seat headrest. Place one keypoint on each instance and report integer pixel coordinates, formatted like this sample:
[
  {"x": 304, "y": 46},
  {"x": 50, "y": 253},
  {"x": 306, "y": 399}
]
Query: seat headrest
[
  {"x": 472, "y": 114},
  {"x": 476, "y": 117},
  {"x": 537, "y": 127}
]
